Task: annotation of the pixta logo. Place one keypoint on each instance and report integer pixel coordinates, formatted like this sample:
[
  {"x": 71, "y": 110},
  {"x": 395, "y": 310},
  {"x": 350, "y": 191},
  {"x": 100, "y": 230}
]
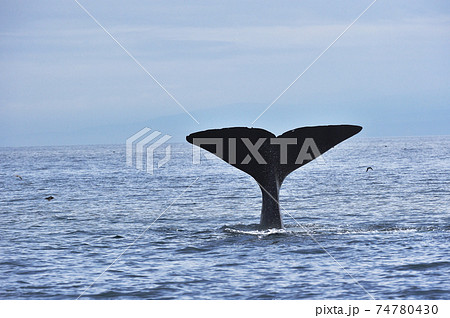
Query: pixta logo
[
  {"x": 141, "y": 148},
  {"x": 242, "y": 151}
]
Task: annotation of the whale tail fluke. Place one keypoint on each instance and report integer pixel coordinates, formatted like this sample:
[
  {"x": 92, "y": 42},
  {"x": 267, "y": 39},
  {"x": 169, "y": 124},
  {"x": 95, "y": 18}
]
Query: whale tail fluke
[{"x": 269, "y": 159}]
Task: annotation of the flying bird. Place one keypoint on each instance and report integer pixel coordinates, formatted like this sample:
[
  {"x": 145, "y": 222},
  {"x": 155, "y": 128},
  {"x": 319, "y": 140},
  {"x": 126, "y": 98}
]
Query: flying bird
[
  {"x": 369, "y": 168},
  {"x": 49, "y": 198}
]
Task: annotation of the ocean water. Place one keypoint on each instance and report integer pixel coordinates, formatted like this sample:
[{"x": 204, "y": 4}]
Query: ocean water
[{"x": 189, "y": 231}]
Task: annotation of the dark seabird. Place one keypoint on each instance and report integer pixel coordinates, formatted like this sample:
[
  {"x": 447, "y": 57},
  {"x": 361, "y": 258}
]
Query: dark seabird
[
  {"x": 369, "y": 168},
  {"x": 49, "y": 198},
  {"x": 18, "y": 176}
]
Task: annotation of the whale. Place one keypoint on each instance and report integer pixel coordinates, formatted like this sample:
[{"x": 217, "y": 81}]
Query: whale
[{"x": 269, "y": 159}]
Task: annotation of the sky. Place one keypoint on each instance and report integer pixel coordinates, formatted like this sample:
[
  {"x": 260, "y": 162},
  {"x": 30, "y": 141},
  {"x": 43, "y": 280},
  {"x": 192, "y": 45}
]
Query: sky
[{"x": 65, "y": 81}]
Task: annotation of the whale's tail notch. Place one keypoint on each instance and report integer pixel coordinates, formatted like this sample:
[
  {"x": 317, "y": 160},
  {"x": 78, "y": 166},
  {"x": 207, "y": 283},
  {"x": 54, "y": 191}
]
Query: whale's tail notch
[{"x": 269, "y": 159}]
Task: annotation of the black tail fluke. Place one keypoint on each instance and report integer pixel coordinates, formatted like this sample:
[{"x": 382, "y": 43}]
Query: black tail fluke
[{"x": 269, "y": 159}]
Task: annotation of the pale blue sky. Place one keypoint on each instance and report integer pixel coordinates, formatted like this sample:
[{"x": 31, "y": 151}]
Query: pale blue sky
[{"x": 64, "y": 81}]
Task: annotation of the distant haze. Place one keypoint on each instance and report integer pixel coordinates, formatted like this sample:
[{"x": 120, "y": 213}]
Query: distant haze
[{"x": 63, "y": 80}]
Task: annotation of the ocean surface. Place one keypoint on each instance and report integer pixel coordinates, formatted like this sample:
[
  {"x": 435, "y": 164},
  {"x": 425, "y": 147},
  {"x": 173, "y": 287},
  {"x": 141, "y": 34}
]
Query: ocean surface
[{"x": 189, "y": 231}]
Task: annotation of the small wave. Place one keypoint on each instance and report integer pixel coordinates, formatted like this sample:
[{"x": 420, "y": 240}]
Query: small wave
[
  {"x": 425, "y": 294},
  {"x": 192, "y": 249},
  {"x": 375, "y": 231},
  {"x": 422, "y": 266},
  {"x": 232, "y": 264},
  {"x": 309, "y": 251},
  {"x": 257, "y": 232},
  {"x": 12, "y": 263}
]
